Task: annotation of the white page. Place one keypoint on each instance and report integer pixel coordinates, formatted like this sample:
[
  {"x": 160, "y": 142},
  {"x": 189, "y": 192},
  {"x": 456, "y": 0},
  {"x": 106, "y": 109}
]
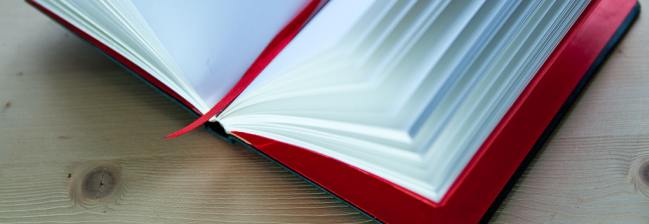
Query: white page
[{"x": 214, "y": 42}]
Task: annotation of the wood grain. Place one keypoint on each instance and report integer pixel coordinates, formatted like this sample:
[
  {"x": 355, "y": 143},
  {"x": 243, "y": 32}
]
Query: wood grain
[{"x": 66, "y": 110}]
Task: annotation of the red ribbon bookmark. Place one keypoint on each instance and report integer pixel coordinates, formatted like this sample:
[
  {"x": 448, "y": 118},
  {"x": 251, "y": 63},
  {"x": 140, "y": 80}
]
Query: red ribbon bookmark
[{"x": 267, "y": 55}]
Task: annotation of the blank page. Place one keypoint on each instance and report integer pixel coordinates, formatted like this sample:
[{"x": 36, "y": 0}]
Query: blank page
[{"x": 214, "y": 42}]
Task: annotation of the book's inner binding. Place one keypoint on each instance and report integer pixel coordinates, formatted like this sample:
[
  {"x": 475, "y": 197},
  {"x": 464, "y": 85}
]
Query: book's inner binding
[
  {"x": 406, "y": 90},
  {"x": 199, "y": 49}
]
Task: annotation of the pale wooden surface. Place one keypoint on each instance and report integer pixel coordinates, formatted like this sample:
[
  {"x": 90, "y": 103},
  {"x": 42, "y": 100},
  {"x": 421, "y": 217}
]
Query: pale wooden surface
[{"x": 65, "y": 109}]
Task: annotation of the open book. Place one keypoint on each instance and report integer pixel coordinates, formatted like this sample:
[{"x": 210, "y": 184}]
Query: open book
[{"x": 411, "y": 110}]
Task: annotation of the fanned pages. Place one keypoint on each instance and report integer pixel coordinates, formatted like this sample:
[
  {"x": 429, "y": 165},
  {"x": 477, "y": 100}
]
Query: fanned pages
[{"x": 406, "y": 90}]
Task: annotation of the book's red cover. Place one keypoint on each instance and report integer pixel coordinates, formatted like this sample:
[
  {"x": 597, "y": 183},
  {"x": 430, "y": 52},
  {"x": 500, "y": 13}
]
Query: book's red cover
[
  {"x": 500, "y": 155},
  {"x": 491, "y": 167}
]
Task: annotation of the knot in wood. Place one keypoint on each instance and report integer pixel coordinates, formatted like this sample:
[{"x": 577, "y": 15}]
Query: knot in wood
[
  {"x": 95, "y": 183},
  {"x": 639, "y": 175},
  {"x": 98, "y": 183}
]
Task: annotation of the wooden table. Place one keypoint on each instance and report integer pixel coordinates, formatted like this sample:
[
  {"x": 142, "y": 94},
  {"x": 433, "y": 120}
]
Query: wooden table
[{"x": 81, "y": 141}]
